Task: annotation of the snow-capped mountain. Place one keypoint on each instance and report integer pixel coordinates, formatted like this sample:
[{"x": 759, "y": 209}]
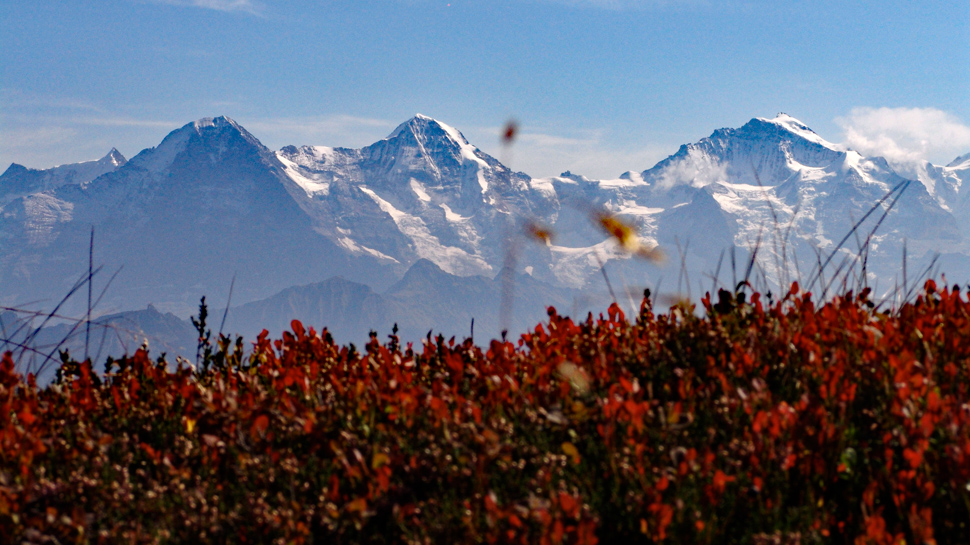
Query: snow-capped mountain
[
  {"x": 18, "y": 180},
  {"x": 178, "y": 221},
  {"x": 423, "y": 192},
  {"x": 778, "y": 185},
  {"x": 773, "y": 184},
  {"x": 949, "y": 184},
  {"x": 210, "y": 203}
]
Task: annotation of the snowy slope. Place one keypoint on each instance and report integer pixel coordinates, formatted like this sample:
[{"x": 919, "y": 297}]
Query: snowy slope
[
  {"x": 783, "y": 188},
  {"x": 423, "y": 192},
  {"x": 949, "y": 185},
  {"x": 19, "y": 180}
]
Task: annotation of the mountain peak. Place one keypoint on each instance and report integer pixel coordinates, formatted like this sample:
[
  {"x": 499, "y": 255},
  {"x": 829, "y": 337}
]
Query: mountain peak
[
  {"x": 217, "y": 132},
  {"x": 221, "y": 125},
  {"x": 961, "y": 161},
  {"x": 114, "y": 157},
  {"x": 428, "y": 128},
  {"x": 13, "y": 169},
  {"x": 797, "y": 128},
  {"x": 221, "y": 121}
]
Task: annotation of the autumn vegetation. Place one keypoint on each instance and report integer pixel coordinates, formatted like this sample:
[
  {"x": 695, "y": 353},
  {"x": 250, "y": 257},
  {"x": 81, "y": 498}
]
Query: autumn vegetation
[{"x": 745, "y": 421}]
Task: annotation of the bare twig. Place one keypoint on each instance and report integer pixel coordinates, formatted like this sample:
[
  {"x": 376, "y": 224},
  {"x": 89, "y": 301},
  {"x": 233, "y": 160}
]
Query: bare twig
[
  {"x": 900, "y": 187},
  {"x": 225, "y": 313},
  {"x": 87, "y": 328},
  {"x": 602, "y": 265}
]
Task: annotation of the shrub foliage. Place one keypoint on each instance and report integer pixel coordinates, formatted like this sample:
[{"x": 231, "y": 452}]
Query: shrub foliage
[{"x": 788, "y": 422}]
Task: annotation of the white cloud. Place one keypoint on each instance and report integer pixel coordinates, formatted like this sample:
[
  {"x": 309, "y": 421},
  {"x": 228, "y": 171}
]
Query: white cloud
[
  {"x": 251, "y": 7},
  {"x": 905, "y": 135},
  {"x": 697, "y": 171}
]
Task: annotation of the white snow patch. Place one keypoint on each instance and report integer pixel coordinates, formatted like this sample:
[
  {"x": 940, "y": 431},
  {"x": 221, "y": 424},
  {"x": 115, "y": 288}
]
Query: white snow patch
[
  {"x": 43, "y": 212},
  {"x": 742, "y": 199},
  {"x": 635, "y": 177},
  {"x": 451, "y": 259},
  {"x": 351, "y": 245},
  {"x": 960, "y": 163},
  {"x": 851, "y": 161},
  {"x": 419, "y": 190},
  {"x": 633, "y": 209},
  {"x": 294, "y": 172},
  {"x": 323, "y": 154},
  {"x": 730, "y": 202},
  {"x": 574, "y": 266},
  {"x": 451, "y": 216},
  {"x": 467, "y": 150},
  {"x": 798, "y": 128},
  {"x": 544, "y": 186},
  {"x": 481, "y": 181},
  {"x": 622, "y": 182}
]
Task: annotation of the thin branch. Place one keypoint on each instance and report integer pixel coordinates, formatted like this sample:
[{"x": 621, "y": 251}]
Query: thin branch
[
  {"x": 228, "y": 301},
  {"x": 87, "y": 329}
]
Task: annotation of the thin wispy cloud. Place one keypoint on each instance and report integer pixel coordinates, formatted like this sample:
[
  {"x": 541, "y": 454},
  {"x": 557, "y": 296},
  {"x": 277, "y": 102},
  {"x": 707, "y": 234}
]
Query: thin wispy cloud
[
  {"x": 47, "y": 145},
  {"x": 117, "y": 121},
  {"x": 41, "y": 131},
  {"x": 16, "y": 100},
  {"x": 587, "y": 152},
  {"x": 251, "y": 7},
  {"x": 905, "y": 135},
  {"x": 53, "y": 140},
  {"x": 331, "y": 130}
]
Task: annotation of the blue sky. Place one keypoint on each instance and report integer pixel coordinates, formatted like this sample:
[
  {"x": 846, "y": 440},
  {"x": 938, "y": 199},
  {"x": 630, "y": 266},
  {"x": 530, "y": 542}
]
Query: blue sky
[{"x": 598, "y": 86}]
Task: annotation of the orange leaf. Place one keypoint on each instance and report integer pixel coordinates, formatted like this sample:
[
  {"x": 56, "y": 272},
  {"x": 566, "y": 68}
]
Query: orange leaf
[
  {"x": 26, "y": 416},
  {"x": 260, "y": 424}
]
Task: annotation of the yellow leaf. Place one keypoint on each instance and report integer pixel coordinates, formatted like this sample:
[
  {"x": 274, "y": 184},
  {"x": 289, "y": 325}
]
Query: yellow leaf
[
  {"x": 570, "y": 450},
  {"x": 379, "y": 459},
  {"x": 189, "y": 425},
  {"x": 538, "y": 232},
  {"x": 625, "y": 234}
]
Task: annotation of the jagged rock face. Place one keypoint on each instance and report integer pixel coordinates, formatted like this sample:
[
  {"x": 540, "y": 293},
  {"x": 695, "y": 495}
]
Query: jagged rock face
[{"x": 210, "y": 203}]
